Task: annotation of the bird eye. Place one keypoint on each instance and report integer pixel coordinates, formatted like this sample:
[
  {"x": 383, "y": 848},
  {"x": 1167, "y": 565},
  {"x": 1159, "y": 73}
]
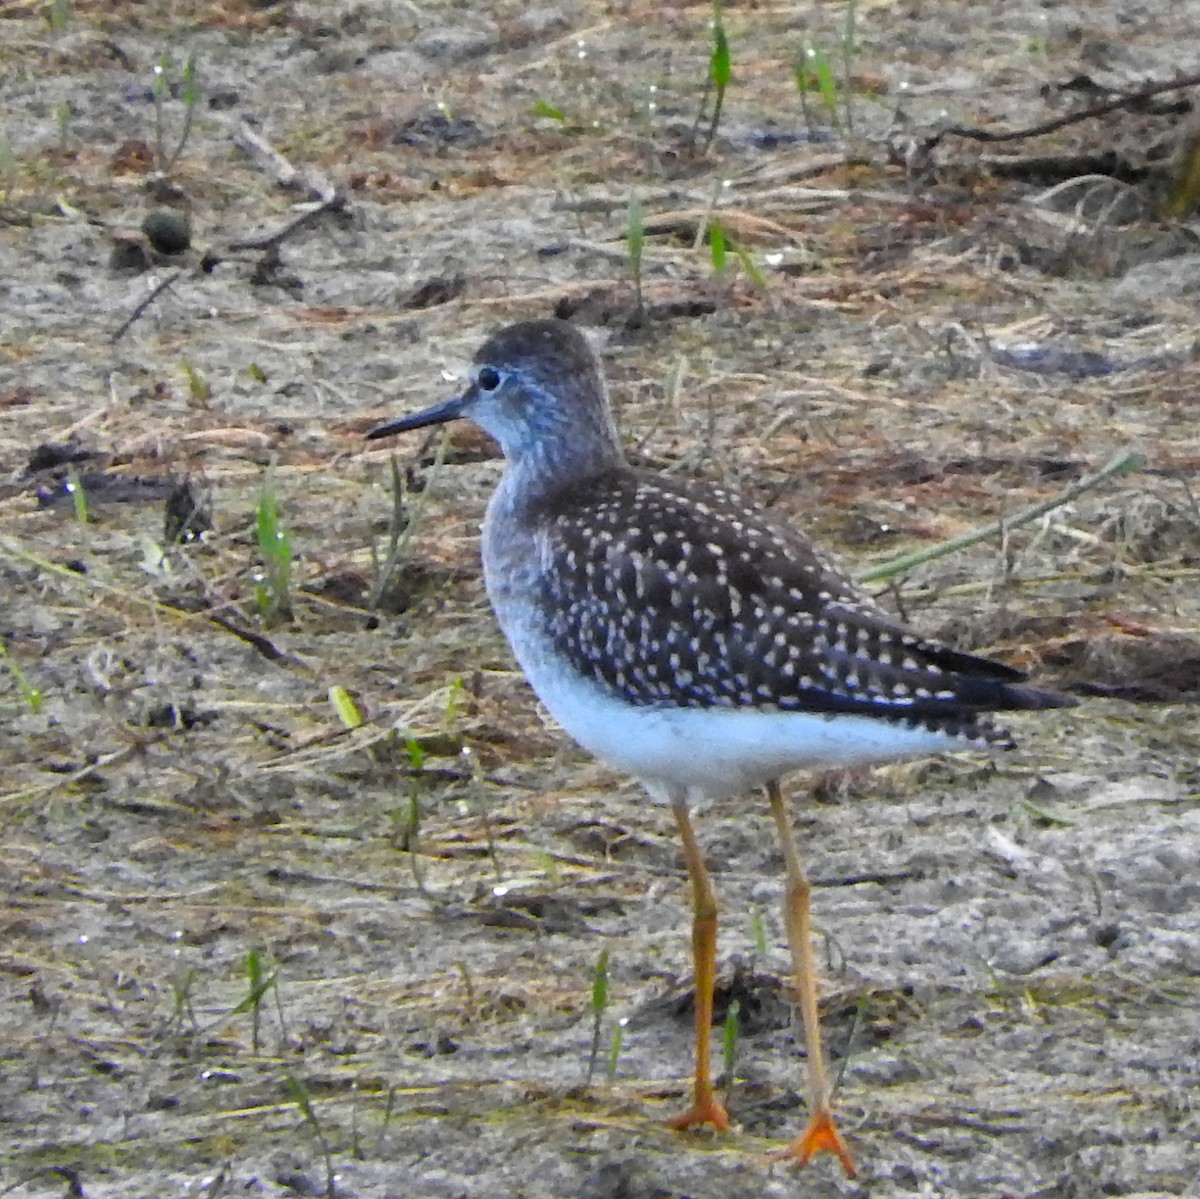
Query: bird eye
[{"x": 488, "y": 378}]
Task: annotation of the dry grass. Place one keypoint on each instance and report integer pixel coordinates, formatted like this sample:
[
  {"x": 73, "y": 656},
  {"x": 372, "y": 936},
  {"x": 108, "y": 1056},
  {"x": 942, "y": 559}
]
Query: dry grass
[{"x": 186, "y": 790}]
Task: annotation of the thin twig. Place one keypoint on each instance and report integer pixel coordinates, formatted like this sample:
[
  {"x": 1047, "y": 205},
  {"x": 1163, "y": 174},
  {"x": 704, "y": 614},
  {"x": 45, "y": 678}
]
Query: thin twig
[
  {"x": 1122, "y": 463},
  {"x": 271, "y": 241},
  {"x": 975, "y": 133},
  {"x": 248, "y": 139},
  {"x": 136, "y": 314}
]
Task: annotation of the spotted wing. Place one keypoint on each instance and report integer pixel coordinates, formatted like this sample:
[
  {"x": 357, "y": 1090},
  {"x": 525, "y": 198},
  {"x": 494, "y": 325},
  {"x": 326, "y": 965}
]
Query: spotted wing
[{"x": 679, "y": 597}]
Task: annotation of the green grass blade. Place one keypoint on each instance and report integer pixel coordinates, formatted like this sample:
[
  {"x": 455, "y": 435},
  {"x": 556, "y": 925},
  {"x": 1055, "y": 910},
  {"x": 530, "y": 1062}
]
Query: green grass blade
[
  {"x": 721, "y": 61},
  {"x": 720, "y": 73},
  {"x": 716, "y": 245},
  {"x": 600, "y": 983},
  {"x": 345, "y": 707},
  {"x": 730, "y": 1033},
  {"x": 29, "y": 693}
]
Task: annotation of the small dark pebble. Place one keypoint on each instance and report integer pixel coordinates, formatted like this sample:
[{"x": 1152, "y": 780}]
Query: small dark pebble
[
  {"x": 168, "y": 230},
  {"x": 439, "y": 290},
  {"x": 221, "y": 99}
]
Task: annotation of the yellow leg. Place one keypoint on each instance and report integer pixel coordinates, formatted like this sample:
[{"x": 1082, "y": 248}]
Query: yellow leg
[
  {"x": 821, "y": 1135},
  {"x": 706, "y": 1108}
]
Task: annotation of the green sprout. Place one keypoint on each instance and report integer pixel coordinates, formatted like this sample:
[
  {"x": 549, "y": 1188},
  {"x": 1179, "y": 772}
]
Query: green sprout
[
  {"x": 275, "y": 546},
  {"x": 199, "y": 390},
  {"x": 402, "y": 525},
  {"x": 860, "y": 1017},
  {"x": 455, "y": 698},
  {"x": 8, "y": 167},
  {"x": 259, "y": 982},
  {"x": 182, "y": 1011},
  {"x": 749, "y": 265},
  {"x": 730, "y": 1037},
  {"x": 827, "y": 87},
  {"x": 544, "y": 109},
  {"x": 300, "y": 1097},
  {"x": 189, "y": 93},
  {"x": 345, "y": 707},
  {"x": 74, "y": 488},
  {"x": 720, "y": 246},
  {"x": 815, "y": 76},
  {"x": 29, "y": 693},
  {"x": 598, "y": 1003},
  {"x": 478, "y": 799},
  {"x": 416, "y": 753},
  {"x": 720, "y": 73},
  {"x": 716, "y": 246},
  {"x": 806, "y": 81}
]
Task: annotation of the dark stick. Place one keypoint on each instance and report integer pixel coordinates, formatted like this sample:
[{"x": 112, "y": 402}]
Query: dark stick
[
  {"x": 136, "y": 314},
  {"x": 974, "y": 133}
]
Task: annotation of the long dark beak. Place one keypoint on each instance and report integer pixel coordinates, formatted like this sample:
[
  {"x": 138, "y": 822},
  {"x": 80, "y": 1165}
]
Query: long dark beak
[{"x": 440, "y": 413}]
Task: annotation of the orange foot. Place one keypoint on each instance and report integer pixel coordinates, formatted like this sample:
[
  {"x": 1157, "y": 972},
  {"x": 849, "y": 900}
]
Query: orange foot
[
  {"x": 709, "y": 1110},
  {"x": 821, "y": 1136}
]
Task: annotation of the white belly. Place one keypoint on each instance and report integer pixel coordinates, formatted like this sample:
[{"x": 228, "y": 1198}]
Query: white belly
[{"x": 710, "y": 752}]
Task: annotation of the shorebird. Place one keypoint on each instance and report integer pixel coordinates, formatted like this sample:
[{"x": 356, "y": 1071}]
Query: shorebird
[{"x": 696, "y": 643}]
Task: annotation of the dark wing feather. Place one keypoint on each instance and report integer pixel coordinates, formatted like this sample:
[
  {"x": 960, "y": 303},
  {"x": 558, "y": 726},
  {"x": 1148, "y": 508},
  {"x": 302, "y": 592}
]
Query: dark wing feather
[{"x": 697, "y": 601}]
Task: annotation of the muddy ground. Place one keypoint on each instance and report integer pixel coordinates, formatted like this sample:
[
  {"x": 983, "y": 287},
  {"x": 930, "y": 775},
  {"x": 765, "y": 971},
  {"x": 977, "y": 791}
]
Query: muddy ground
[{"x": 920, "y": 340}]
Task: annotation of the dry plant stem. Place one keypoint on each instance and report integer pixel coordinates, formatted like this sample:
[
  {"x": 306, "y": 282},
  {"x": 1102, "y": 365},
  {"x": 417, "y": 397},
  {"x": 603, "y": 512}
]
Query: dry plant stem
[
  {"x": 1120, "y": 464},
  {"x": 274, "y": 163},
  {"x": 821, "y": 1134},
  {"x": 974, "y": 133},
  {"x": 400, "y": 536},
  {"x": 706, "y": 1107},
  {"x": 88, "y": 583},
  {"x": 328, "y": 197},
  {"x": 66, "y": 781},
  {"x": 269, "y": 241}
]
